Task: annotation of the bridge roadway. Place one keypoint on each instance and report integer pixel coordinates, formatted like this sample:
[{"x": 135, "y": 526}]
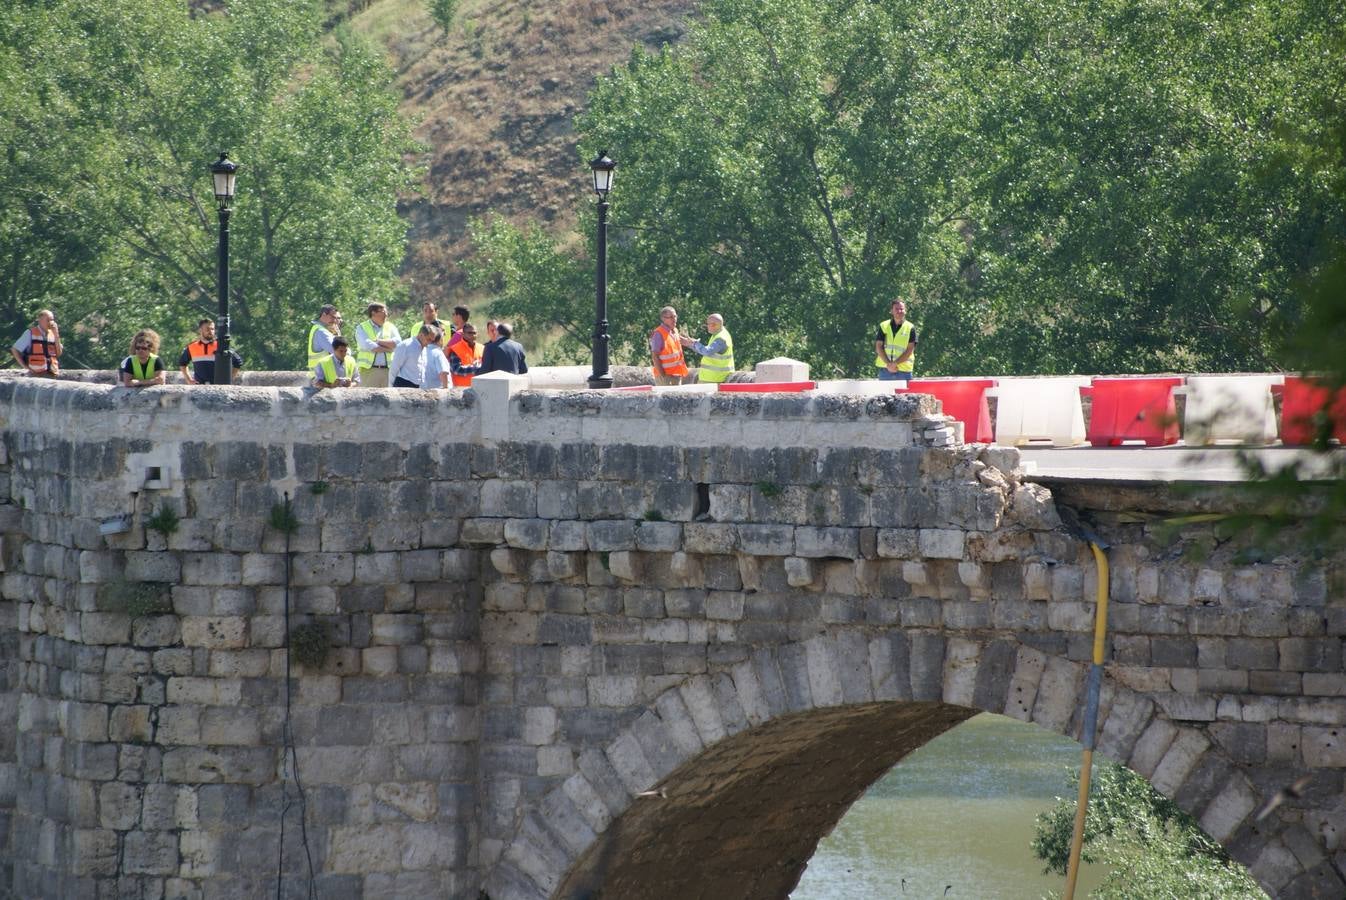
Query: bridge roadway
[{"x": 1175, "y": 463}]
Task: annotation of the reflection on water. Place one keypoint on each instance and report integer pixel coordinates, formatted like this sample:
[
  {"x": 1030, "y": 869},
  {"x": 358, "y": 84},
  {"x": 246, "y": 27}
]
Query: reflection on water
[{"x": 957, "y": 814}]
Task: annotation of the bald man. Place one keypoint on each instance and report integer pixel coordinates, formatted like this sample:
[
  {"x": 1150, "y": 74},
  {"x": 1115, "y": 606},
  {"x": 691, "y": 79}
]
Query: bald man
[{"x": 717, "y": 357}]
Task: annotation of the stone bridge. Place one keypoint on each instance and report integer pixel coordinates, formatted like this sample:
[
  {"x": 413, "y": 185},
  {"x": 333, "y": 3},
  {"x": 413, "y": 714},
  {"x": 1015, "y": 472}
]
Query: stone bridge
[{"x": 637, "y": 645}]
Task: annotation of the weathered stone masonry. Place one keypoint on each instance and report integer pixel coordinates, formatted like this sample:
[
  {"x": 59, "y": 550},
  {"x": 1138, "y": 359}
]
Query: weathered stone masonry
[{"x": 713, "y": 619}]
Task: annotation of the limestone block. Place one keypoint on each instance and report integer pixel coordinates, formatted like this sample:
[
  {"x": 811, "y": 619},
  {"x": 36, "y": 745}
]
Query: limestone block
[
  {"x": 1235, "y": 800},
  {"x": 974, "y": 575},
  {"x": 941, "y": 543},
  {"x": 509, "y": 498},
  {"x": 1029, "y": 664},
  {"x": 897, "y": 543},
  {"x": 562, "y": 565},
  {"x": 150, "y": 853},
  {"x": 799, "y": 572},
  {"x": 625, "y": 565},
  {"x": 684, "y": 566},
  {"x": 377, "y": 568},
  {"x": 1324, "y": 747},
  {"x": 557, "y": 500},
  {"x": 508, "y": 562},
  {"x": 568, "y": 537},
  {"x": 215, "y": 632},
  {"x": 365, "y": 849},
  {"x": 766, "y": 540},
  {"x": 709, "y": 538},
  {"x": 321, "y": 569},
  {"x": 627, "y": 759},
  {"x": 961, "y": 658},
  {"x": 85, "y": 721},
  {"x": 820, "y": 654},
  {"x": 726, "y": 605},
  {"x": 483, "y": 532},
  {"x": 200, "y": 854},
  {"x": 1033, "y": 507},
  {"x": 819, "y": 542},
  {"x": 1187, "y": 707},
  {"x": 211, "y": 568},
  {"x": 104, "y": 628},
  {"x": 130, "y": 724},
  {"x": 1058, "y": 693},
  {"x": 698, "y": 695},
  {"x": 1178, "y": 761},
  {"x": 587, "y": 801},
  {"x": 205, "y": 691},
  {"x": 527, "y": 534},
  {"x": 97, "y": 567},
  {"x": 890, "y": 667},
  {"x": 729, "y": 502},
  {"x": 1123, "y": 723},
  {"x": 93, "y": 852},
  {"x": 1151, "y": 746},
  {"x": 659, "y": 537}
]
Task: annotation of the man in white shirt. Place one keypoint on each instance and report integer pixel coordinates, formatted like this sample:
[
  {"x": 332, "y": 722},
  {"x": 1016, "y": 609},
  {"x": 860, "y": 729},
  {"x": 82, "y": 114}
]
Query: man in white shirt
[
  {"x": 436, "y": 373},
  {"x": 408, "y": 366},
  {"x": 376, "y": 338}
]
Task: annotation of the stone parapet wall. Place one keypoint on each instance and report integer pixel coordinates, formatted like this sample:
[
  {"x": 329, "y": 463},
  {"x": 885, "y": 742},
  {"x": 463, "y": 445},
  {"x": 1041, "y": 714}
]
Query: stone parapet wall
[{"x": 528, "y": 633}]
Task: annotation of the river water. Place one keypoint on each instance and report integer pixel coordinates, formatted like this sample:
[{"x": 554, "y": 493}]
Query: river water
[{"x": 953, "y": 819}]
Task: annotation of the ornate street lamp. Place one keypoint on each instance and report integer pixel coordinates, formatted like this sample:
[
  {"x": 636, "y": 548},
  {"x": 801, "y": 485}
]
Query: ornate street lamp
[
  {"x": 224, "y": 173},
  {"x": 601, "y": 377}
]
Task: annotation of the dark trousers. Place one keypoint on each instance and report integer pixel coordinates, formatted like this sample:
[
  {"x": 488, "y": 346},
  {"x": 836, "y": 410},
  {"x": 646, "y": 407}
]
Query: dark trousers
[{"x": 399, "y": 381}]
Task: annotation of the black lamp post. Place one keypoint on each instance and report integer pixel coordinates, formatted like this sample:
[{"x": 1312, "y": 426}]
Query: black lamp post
[
  {"x": 601, "y": 377},
  {"x": 224, "y": 173}
]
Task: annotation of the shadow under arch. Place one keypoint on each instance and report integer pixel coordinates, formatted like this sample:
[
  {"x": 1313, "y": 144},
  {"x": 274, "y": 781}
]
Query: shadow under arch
[{"x": 724, "y": 785}]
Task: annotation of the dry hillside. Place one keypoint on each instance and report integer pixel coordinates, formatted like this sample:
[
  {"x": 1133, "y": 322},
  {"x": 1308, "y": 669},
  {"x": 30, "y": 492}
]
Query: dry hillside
[{"x": 496, "y": 100}]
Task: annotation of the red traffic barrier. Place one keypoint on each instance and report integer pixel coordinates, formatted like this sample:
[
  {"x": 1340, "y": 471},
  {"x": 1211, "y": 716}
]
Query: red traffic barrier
[
  {"x": 1304, "y": 400},
  {"x": 1139, "y": 409},
  {"x": 768, "y": 387},
  {"x": 635, "y": 387},
  {"x": 965, "y": 400}
]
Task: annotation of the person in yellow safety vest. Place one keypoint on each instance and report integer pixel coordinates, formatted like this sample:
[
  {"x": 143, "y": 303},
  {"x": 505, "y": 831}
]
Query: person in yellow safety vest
[
  {"x": 338, "y": 369},
  {"x": 376, "y": 339},
  {"x": 320, "y": 335},
  {"x": 143, "y": 368},
  {"x": 666, "y": 349},
  {"x": 39, "y": 348},
  {"x": 717, "y": 357},
  {"x": 895, "y": 346}
]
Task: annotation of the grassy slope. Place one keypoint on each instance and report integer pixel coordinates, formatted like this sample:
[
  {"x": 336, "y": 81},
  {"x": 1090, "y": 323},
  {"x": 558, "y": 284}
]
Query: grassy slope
[{"x": 496, "y": 99}]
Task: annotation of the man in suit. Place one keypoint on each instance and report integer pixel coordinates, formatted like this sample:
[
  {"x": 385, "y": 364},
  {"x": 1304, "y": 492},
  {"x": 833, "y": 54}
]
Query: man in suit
[{"x": 504, "y": 354}]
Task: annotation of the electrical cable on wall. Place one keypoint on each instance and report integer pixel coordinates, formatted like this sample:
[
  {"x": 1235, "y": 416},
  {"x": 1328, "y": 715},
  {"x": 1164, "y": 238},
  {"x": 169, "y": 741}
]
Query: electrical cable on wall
[{"x": 289, "y": 757}]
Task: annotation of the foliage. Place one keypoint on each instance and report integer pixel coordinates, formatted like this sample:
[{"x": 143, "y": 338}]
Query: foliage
[
  {"x": 310, "y": 644},
  {"x": 283, "y": 519},
  {"x": 165, "y": 520},
  {"x": 109, "y": 119},
  {"x": 442, "y": 11},
  {"x": 1054, "y": 186},
  {"x": 1151, "y": 847},
  {"x": 139, "y": 599}
]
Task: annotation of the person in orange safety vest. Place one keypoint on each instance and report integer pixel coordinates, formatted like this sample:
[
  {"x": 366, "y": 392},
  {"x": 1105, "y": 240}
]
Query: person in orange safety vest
[
  {"x": 666, "y": 349},
  {"x": 39, "y": 348}
]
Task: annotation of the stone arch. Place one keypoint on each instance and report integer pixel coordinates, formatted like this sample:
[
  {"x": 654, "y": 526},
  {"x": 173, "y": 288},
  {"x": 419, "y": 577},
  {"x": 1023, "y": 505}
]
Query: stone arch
[{"x": 700, "y": 795}]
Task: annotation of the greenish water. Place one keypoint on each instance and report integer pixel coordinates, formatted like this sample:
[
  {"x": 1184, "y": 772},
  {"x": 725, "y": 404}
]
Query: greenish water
[{"x": 957, "y": 813}]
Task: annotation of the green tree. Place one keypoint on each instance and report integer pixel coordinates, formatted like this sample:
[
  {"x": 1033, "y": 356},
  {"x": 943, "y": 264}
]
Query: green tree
[
  {"x": 116, "y": 116},
  {"x": 1059, "y": 186},
  {"x": 1151, "y": 848},
  {"x": 443, "y": 11}
]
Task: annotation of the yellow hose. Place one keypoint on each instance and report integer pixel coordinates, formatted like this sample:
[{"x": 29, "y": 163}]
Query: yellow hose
[{"x": 1090, "y": 720}]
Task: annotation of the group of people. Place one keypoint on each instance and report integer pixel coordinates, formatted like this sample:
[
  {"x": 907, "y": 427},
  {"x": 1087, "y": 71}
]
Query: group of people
[
  {"x": 894, "y": 349},
  {"x": 434, "y": 357}
]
